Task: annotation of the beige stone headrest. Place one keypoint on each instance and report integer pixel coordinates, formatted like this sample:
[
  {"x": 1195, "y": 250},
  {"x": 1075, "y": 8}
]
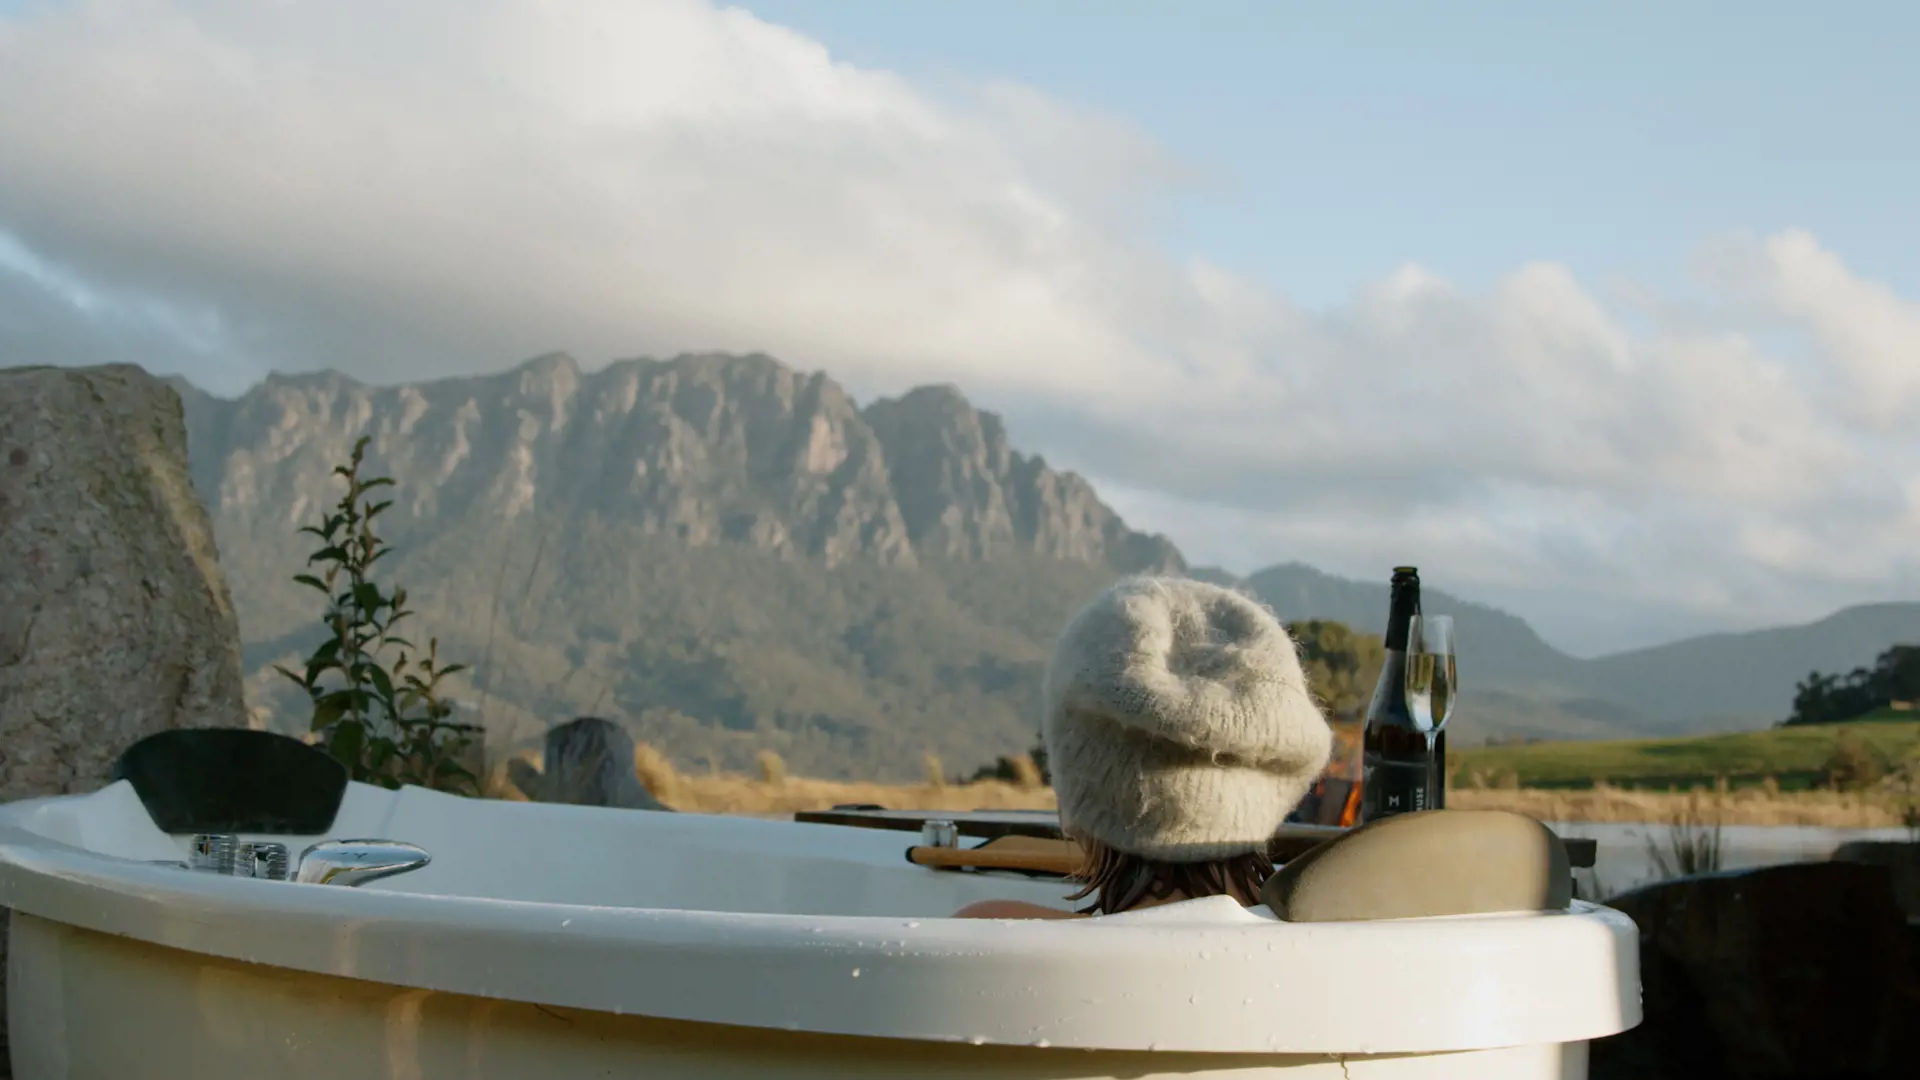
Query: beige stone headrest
[{"x": 1434, "y": 862}]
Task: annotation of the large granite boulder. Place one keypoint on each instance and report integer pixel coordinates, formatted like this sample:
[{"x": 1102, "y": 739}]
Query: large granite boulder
[
  {"x": 1795, "y": 971},
  {"x": 114, "y": 620},
  {"x": 589, "y": 762}
]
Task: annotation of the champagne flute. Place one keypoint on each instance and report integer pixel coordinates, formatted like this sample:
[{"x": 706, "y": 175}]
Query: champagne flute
[{"x": 1432, "y": 681}]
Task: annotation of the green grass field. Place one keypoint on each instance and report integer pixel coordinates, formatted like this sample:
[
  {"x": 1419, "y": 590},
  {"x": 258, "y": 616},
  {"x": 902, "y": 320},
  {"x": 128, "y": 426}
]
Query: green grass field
[{"x": 1795, "y": 757}]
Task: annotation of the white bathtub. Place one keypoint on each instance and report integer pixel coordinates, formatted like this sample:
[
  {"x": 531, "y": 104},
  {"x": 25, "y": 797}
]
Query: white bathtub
[{"x": 559, "y": 942}]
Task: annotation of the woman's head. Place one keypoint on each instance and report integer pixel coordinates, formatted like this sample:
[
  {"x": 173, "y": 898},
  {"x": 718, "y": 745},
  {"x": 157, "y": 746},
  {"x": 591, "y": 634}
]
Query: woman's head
[{"x": 1180, "y": 733}]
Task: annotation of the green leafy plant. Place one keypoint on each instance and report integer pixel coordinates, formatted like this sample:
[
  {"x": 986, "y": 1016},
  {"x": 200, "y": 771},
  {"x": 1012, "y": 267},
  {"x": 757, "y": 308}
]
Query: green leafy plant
[
  {"x": 1904, "y": 786},
  {"x": 389, "y": 725},
  {"x": 1854, "y": 763}
]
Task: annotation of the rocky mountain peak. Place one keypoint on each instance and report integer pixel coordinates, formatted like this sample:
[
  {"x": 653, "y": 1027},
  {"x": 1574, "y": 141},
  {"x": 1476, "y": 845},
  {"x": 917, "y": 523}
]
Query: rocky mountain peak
[
  {"x": 965, "y": 493},
  {"x": 549, "y": 365},
  {"x": 704, "y": 448}
]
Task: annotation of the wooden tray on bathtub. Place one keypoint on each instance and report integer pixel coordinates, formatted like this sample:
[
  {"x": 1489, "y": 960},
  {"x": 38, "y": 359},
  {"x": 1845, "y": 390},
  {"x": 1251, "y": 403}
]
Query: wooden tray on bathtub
[
  {"x": 1021, "y": 854},
  {"x": 1288, "y": 843}
]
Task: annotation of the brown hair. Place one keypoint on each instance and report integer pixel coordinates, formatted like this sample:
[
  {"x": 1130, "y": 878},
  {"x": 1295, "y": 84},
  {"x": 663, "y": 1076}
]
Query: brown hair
[{"x": 1119, "y": 880}]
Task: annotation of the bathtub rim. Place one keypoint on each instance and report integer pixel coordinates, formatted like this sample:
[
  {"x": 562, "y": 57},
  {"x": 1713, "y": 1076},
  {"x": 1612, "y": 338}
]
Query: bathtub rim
[
  {"x": 929, "y": 979},
  {"x": 280, "y": 1004}
]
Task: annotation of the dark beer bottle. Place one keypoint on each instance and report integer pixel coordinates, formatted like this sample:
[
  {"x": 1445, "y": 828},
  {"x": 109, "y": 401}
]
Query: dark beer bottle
[{"x": 1396, "y": 769}]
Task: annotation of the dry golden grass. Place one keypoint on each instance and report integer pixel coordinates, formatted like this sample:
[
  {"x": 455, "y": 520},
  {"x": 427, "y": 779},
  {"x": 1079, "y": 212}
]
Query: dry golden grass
[
  {"x": 1747, "y": 806},
  {"x": 734, "y": 794},
  {"x": 1026, "y": 773},
  {"x": 775, "y": 792}
]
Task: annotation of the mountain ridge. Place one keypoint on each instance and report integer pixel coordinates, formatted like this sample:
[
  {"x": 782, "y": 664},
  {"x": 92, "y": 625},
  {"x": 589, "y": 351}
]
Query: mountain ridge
[
  {"x": 718, "y": 550},
  {"x": 1716, "y": 681},
  {"x": 970, "y": 497},
  {"x": 727, "y": 553}
]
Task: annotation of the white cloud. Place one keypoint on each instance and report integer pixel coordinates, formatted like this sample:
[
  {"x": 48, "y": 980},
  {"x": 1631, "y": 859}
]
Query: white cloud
[
  {"x": 1867, "y": 338},
  {"x": 446, "y": 183},
  {"x": 409, "y": 190}
]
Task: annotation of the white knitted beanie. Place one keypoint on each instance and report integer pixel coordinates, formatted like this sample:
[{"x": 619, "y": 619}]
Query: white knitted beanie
[{"x": 1178, "y": 723}]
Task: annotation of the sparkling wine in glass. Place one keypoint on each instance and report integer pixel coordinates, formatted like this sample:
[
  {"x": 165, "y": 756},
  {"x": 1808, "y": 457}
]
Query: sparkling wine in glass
[{"x": 1431, "y": 674}]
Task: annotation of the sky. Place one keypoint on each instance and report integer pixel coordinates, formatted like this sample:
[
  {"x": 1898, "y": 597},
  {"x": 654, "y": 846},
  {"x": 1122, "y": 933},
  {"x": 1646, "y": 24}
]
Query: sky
[{"x": 1609, "y": 316}]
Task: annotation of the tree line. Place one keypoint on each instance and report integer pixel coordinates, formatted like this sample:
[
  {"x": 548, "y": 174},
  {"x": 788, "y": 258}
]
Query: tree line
[{"x": 1830, "y": 699}]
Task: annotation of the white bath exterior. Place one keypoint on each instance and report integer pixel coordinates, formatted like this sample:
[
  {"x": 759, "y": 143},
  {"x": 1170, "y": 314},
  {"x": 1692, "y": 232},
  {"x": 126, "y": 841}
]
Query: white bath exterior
[{"x": 557, "y": 941}]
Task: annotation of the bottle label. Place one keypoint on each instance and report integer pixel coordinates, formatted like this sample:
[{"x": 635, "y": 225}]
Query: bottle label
[{"x": 1393, "y": 787}]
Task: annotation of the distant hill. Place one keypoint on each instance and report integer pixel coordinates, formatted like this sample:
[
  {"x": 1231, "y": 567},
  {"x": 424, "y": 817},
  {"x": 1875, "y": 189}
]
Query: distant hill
[
  {"x": 1749, "y": 675},
  {"x": 726, "y": 554},
  {"x": 1711, "y": 683},
  {"x": 1505, "y": 650}
]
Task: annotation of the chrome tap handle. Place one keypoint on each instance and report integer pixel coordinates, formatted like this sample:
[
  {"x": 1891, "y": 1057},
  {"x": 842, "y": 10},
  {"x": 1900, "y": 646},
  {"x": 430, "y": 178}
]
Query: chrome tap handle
[
  {"x": 356, "y": 862},
  {"x": 260, "y": 859},
  {"x": 212, "y": 852}
]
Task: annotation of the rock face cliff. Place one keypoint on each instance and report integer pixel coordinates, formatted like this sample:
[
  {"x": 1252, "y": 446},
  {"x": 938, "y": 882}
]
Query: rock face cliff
[
  {"x": 965, "y": 493},
  {"x": 705, "y": 450},
  {"x": 720, "y": 552}
]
